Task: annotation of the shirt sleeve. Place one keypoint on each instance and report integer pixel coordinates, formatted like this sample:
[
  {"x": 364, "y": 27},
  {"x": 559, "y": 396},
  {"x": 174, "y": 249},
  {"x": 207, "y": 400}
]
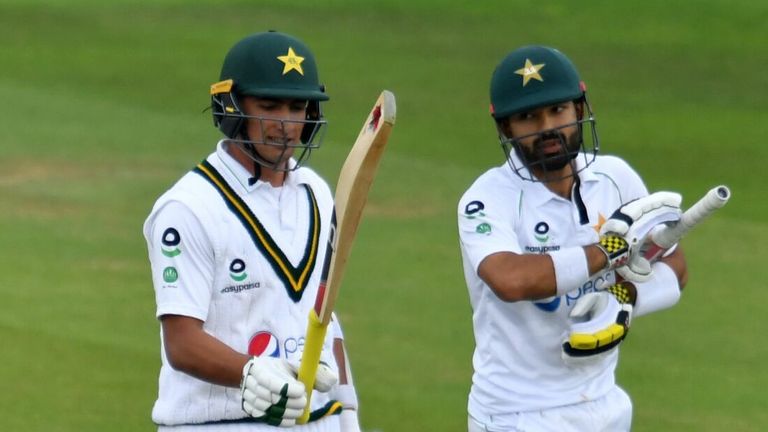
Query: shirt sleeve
[
  {"x": 486, "y": 226},
  {"x": 182, "y": 261}
]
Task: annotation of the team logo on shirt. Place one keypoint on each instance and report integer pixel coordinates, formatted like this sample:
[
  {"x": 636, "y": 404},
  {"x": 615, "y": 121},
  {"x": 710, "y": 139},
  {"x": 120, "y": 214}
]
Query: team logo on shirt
[
  {"x": 483, "y": 228},
  {"x": 170, "y": 275},
  {"x": 237, "y": 270},
  {"x": 265, "y": 344},
  {"x": 170, "y": 241},
  {"x": 600, "y": 221}
]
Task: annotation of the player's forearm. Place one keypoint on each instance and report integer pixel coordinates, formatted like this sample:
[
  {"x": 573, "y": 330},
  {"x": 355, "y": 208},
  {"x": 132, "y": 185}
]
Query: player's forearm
[
  {"x": 676, "y": 261},
  {"x": 191, "y": 350},
  {"x": 516, "y": 277}
]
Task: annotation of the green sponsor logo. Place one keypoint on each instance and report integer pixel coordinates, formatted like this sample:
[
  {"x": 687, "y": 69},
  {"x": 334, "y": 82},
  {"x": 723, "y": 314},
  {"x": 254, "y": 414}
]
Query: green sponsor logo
[
  {"x": 237, "y": 270},
  {"x": 238, "y": 278},
  {"x": 541, "y": 231},
  {"x": 170, "y": 239},
  {"x": 171, "y": 253},
  {"x": 170, "y": 274},
  {"x": 483, "y": 228},
  {"x": 475, "y": 215}
]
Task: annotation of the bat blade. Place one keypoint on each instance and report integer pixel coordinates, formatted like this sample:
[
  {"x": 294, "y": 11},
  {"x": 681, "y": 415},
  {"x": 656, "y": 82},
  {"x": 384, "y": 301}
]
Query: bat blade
[
  {"x": 667, "y": 237},
  {"x": 352, "y": 188}
]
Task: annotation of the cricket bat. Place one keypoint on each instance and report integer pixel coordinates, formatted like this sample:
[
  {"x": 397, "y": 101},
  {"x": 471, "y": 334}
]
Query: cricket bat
[
  {"x": 355, "y": 180},
  {"x": 663, "y": 239}
]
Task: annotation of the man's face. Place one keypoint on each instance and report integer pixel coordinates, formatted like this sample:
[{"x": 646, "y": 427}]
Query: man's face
[
  {"x": 276, "y": 130},
  {"x": 545, "y": 137}
]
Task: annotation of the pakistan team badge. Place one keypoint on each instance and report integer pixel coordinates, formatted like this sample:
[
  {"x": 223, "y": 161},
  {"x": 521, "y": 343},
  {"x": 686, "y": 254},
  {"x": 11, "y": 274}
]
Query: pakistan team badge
[
  {"x": 237, "y": 270},
  {"x": 170, "y": 243},
  {"x": 483, "y": 228},
  {"x": 530, "y": 71},
  {"x": 170, "y": 275},
  {"x": 291, "y": 61}
]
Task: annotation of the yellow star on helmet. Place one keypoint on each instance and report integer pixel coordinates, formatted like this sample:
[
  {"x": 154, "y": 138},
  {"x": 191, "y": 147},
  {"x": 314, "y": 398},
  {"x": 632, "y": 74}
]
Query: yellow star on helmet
[
  {"x": 529, "y": 71},
  {"x": 291, "y": 62}
]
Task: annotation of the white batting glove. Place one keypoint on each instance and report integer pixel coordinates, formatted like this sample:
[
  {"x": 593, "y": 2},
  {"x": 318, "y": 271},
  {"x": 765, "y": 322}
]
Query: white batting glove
[
  {"x": 622, "y": 235},
  {"x": 638, "y": 269},
  {"x": 271, "y": 391},
  {"x": 599, "y": 322},
  {"x": 325, "y": 377}
]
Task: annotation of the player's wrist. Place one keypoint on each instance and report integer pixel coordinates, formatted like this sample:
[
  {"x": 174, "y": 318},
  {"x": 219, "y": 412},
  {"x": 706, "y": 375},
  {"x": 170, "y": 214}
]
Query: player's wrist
[{"x": 571, "y": 268}]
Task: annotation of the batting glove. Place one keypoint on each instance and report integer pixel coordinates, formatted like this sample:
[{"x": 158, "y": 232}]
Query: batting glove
[
  {"x": 599, "y": 323},
  {"x": 623, "y": 234},
  {"x": 271, "y": 391}
]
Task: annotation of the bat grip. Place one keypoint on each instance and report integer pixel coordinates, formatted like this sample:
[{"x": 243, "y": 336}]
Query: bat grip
[
  {"x": 703, "y": 208},
  {"x": 310, "y": 359}
]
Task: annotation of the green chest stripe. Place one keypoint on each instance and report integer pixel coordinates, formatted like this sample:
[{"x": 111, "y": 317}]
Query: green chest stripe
[{"x": 294, "y": 278}]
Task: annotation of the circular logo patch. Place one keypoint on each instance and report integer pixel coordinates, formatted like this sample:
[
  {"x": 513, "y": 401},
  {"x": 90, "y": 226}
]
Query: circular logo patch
[
  {"x": 264, "y": 343},
  {"x": 170, "y": 274}
]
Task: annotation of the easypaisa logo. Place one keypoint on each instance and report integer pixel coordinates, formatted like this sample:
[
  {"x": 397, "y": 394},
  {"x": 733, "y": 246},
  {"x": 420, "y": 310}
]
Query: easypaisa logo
[
  {"x": 237, "y": 270},
  {"x": 238, "y": 274},
  {"x": 170, "y": 242}
]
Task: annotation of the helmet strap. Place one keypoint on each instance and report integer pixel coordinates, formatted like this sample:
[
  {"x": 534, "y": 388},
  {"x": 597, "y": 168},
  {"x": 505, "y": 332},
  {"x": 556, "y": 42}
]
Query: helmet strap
[{"x": 249, "y": 147}]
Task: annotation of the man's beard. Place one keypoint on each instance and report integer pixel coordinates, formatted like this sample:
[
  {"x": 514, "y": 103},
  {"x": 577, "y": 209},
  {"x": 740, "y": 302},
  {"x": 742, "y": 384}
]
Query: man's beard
[{"x": 535, "y": 158}]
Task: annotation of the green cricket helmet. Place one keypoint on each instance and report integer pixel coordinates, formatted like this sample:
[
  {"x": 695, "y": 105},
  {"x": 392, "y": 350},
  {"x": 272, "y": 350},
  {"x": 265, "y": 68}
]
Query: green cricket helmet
[
  {"x": 268, "y": 65},
  {"x": 532, "y": 77}
]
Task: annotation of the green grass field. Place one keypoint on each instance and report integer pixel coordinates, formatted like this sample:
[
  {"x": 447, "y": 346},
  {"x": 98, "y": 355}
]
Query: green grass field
[{"x": 103, "y": 111}]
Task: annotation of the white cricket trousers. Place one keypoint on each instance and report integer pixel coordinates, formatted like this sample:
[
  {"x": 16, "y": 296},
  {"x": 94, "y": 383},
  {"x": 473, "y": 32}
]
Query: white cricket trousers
[
  {"x": 328, "y": 424},
  {"x": 610, "y": 413}
]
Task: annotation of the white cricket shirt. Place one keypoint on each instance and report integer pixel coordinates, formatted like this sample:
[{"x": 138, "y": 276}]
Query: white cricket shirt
[
  {"x": 244, "y": 259},
  {"x": 517, "y": 359}
]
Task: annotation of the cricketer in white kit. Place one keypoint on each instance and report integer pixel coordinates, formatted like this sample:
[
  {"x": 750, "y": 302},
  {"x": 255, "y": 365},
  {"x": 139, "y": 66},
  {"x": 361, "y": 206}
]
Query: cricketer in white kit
[
  {"x": 539, "y": 266},
  {"x": 206, "y": 265},
  {"x": 236, "y": 249}
]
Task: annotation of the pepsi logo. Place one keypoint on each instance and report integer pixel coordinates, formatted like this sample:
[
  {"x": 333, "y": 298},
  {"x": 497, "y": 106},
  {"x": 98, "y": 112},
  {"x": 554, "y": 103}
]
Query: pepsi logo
[
  {"x": 549, "y": 306},
  {"x": 264, "y": 343}
]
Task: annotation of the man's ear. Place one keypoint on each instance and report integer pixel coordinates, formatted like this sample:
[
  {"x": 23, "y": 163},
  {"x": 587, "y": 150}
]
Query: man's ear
[
  {"x": 579, "y": 105},
  {"x": 505, "y": 127}
]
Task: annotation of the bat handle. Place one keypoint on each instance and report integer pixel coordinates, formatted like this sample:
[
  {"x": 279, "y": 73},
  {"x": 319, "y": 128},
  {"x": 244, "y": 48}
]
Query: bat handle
[
  {"x": 310, "y": 359},
  {"x": 662, "y": 240}
]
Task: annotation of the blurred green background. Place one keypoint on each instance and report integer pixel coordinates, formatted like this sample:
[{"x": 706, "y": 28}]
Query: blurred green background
[{"x": 103, "y": 111}]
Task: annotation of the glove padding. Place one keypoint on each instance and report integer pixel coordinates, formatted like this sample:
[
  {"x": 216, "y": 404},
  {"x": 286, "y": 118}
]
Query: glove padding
[
  {"x": 623, "y": 234},
  {"x": 271, "y": 392},
  {"x": 599, "y": 322}
]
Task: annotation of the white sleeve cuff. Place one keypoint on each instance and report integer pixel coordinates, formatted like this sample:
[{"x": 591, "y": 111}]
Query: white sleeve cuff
[
  {"x": 346, "y": 394},
  {"x": 660, "y": 292},
  {"x": 571, "y": 268}
]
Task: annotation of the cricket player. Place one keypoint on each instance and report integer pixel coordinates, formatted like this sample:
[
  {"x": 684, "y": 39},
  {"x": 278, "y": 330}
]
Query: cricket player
[
  {"x": 549, "y": 248},
  {"x": 236, "y": 249}
]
